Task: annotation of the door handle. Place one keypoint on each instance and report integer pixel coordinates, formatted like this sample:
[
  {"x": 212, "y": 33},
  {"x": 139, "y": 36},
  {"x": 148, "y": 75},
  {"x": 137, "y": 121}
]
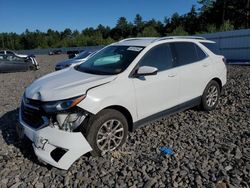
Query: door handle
[
  {"x": 171, "y": 75},
  {"x": 205, "y": 65}
]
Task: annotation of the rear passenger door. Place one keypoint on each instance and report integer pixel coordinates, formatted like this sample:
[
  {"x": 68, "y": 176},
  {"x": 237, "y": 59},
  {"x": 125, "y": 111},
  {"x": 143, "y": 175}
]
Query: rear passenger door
[{"x": 193, "y": 67}]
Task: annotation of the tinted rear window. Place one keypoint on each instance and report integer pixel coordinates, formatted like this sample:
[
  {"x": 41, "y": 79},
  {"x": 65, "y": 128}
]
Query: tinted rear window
[
  {"x": 212, "y": 47},
  {"x": 186, "y": 53}
]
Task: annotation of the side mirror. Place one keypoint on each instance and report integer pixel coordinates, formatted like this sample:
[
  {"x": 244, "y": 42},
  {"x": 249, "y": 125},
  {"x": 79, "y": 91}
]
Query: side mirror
[{"x": 146, "y": 71}]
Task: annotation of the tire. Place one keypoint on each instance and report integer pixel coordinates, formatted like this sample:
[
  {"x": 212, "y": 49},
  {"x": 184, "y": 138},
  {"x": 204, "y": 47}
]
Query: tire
[
  {"x": 210, "y": 97},
  {"x": 31, "y": 68},
  {"x": 108, "y": 140}
]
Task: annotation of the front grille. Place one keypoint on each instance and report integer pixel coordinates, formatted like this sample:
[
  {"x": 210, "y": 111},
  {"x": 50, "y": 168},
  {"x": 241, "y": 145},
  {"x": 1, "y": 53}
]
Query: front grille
[
  {"x": 35, "y": 103},
  {"x": 32, "y": 116}
]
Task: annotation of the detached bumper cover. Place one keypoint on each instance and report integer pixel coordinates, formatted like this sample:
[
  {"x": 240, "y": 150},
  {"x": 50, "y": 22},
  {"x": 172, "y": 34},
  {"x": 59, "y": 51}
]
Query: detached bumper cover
[{"x": 48, "y": 139}]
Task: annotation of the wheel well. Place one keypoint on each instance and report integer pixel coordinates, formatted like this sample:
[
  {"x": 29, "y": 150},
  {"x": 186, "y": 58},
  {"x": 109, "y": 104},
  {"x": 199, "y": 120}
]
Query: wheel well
[
  {"x": 218, "y": 81},
  {"x": 126, "y": 113}
]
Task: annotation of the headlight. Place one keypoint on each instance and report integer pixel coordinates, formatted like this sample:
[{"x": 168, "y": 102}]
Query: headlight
[{"x": 63, "y": 104}]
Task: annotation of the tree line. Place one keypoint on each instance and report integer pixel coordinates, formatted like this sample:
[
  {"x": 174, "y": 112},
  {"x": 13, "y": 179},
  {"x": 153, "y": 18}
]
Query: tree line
[{"x": 213, "y": 16}]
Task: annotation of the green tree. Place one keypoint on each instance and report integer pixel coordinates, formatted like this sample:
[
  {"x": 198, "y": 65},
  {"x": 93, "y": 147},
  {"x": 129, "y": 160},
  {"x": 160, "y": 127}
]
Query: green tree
[
  {"x": 211, "y": 29},
  {"x": 179, "y": 31},
  {"x": 149, "y": 31},
  {"x": 122, "y": 23},
  {"x": 227, "y": 26},
  {"x": 138, "y": 20},
  {"x": 67, "y": 33},
  {"x": 124, "y": 27},
  {"x": 214, "y": 16},
  {"x": 219, "y": 11},
  {"x": 175, "y": 22},
  {"x": 191, "y": 21},
  {"x": 104, "y": 31}
]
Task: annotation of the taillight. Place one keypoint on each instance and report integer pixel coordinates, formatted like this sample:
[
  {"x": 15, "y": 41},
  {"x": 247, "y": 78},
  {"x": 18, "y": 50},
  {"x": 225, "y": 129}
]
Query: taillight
[{"x": 224, "y": 60}]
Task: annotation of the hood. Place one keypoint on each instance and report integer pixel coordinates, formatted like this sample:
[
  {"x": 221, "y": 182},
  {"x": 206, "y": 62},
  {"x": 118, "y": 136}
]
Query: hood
[
  {"x": 69, "y": 62},
  {"x": 64, "y": 84}
]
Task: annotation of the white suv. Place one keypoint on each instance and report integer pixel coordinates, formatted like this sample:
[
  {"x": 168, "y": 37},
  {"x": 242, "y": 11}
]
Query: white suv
[{"x": 91, "y": 107}]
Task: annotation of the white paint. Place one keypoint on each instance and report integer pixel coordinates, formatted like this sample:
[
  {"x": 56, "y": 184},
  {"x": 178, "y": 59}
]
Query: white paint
[{"x": 142, "y": 97}]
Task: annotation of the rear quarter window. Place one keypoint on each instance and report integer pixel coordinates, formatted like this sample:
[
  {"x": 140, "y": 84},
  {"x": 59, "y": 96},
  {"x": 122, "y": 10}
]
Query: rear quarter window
[{"x": 201, "y": 55}]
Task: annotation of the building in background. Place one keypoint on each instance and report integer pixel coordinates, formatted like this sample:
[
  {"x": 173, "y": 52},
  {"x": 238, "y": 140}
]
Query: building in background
[{"x": 234, "y": 45}]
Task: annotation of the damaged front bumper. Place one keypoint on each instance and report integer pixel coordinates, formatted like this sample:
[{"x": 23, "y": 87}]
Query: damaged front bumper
[{"x": 54, "y": 146}]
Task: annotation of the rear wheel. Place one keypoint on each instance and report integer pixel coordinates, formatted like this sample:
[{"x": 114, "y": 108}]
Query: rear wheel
[
  {"x": 210, "y": 97},
  {"x": 107, "y": 131}
]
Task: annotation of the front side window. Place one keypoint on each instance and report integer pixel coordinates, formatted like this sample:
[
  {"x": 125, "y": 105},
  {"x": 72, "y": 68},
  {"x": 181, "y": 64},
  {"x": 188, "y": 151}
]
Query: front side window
[
  {"x": 2, "y": 57},
  {"x": 159, "y": 57},
  {"x": 110, "y": 60},
  {"x": 14, "y": 59},
  {"x": 82, "y": 55}
]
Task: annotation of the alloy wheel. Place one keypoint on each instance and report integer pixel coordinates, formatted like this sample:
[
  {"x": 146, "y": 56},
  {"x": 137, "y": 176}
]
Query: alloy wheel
[
  {"x": 212, "y": 96},
  {"x": 110, "y": 135}
]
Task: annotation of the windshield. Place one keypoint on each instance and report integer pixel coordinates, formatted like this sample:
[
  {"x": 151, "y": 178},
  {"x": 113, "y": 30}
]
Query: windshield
[
  {"x": 110, "y": 60},
  {"x": 82, "y": 55},
  {"x": 212, "y": 47}
]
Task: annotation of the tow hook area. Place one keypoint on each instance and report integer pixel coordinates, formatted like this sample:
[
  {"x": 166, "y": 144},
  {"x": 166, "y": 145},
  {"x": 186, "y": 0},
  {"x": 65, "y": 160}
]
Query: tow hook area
[
  {"x": 40, "y": 142},
  {"x": 60, "y": 148}
]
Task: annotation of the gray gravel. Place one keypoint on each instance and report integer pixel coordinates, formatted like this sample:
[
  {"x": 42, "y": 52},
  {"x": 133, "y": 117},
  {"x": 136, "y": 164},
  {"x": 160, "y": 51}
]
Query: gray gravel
[{"x": 210, "y": 149}]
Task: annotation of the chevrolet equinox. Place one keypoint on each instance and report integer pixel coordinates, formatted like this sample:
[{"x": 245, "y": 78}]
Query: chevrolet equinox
[{"x": 91, "y": 107}]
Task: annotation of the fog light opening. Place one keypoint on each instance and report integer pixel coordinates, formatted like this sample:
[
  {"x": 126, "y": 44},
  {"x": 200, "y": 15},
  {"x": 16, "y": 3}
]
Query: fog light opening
[{"x": 58, "y": 153}]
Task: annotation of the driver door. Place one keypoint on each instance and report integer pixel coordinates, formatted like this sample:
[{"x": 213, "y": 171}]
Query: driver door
[{"x": 156, "y": 93}]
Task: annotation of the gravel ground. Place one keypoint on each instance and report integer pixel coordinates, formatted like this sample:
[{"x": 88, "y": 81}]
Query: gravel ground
[{"x": 210, "y": 149}]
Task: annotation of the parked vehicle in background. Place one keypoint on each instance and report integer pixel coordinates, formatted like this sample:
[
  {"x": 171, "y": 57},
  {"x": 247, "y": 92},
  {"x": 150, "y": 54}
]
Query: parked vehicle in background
[
  {"x": 13, "y": 62},
  {"x": 55, "y": 52},
  {"x": 9, "y": 52},
  {"x": 78, "y": 59},
  {"x": 72, "y": 53},
  {"x": 92, "y": 106}
]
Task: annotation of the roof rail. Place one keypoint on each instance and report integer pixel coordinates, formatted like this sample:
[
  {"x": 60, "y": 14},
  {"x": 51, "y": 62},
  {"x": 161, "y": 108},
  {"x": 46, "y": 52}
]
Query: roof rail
[
  {"x": 179, "y": 37},
  {"x": 155, "y": 39},
  {"x": 138, "y": 38}
]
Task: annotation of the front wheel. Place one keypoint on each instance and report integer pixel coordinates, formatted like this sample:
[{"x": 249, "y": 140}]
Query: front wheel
[
  {"x": 210, "y": 97},
  {"x": 107, "y": 131}
]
